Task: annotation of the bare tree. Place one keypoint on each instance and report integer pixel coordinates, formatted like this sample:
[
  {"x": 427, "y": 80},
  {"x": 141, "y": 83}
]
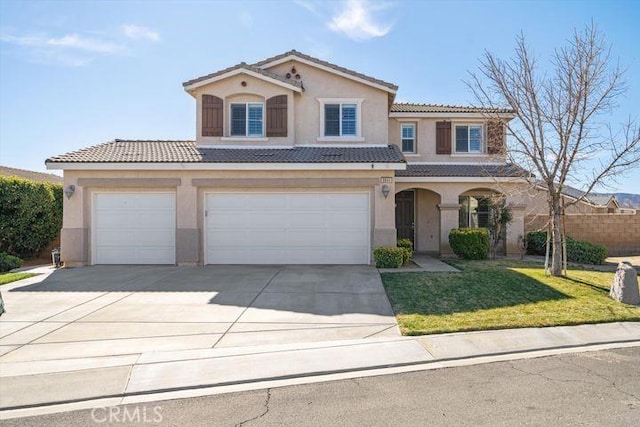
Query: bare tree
[{"x": 560, "y": 131}]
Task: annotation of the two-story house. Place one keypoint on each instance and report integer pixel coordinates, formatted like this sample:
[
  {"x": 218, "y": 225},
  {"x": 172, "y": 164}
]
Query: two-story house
[{"x": 295, "y": 160}]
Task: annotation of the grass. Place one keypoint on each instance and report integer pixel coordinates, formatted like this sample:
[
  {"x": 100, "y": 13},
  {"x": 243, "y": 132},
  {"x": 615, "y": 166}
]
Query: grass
[
  {"x": 13, "y": 277},
  {"x": 501, "y": 294}
]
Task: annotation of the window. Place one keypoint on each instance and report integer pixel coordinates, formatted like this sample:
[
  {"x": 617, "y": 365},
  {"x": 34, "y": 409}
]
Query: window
[
  {"x": 340, "y": 119},
  {"x": 408, "y": 136},
  {"x": 246, "y": 119},
  {"x": 469, "y": 139},
  {"x": 474, "y": 212}
]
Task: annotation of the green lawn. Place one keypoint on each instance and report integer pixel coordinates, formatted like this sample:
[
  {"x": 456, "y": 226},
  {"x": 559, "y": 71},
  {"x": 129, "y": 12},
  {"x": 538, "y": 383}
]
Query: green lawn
[
  {"x": 501, "y": 294},
  {"x": 12, "y": 277}
]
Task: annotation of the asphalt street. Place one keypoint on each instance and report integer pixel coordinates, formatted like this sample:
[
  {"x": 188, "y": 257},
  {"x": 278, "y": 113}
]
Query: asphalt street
[{"x": 594, "y": 388}]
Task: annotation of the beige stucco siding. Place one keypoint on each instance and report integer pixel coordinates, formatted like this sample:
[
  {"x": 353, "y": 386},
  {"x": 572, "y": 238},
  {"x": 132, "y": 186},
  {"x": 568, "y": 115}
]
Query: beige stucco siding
[
  {"x": 426, "y": 141},
  {"x": 322, "y": 84},
  {"x": 191, "y": 187},
  {"x": 231, "y": 90}
]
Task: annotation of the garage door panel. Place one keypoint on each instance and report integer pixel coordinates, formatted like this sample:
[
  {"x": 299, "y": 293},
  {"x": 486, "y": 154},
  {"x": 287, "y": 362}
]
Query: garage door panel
[
  {"x": 142, "y": 219},
  {"x": 295, "y": 228},
  {"x": 134, "y": 228}
]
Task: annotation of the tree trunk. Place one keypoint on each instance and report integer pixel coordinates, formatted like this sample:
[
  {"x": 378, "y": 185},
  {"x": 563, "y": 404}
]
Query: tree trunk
[{"x": 556, "y": 236}]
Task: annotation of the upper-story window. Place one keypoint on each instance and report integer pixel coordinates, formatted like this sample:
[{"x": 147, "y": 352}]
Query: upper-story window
[
  {"x": 247, "y": 119},
  {"x": 340, "y": 119},
  {"x": 469, "y": 139},
  {"x": 408, "y": 137}
]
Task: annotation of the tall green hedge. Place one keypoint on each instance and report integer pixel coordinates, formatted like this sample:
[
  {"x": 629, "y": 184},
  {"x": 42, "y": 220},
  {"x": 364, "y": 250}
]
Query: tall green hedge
[
  {"x": 30, "y": 215},
  {"x": 577, "y": 250}
]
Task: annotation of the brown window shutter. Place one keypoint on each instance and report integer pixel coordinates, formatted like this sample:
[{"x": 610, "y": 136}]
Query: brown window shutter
[
  {"x": 277, "y": 116},
  {"x": 495, "y": 137},
  {"x": 443, "y": 137},
  {"x": 212, "y": 115}
]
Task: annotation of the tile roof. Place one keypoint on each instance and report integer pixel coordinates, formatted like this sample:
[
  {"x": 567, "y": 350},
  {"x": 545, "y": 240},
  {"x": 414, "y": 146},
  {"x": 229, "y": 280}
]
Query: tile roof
[
  {"x": 460, "y": 170},
  {"x": 31, "y": 175},
  {"x": 593, "y": 198},
  {"x": 439, "y": 108},
  {"x": 326, "y": 64},
  {"x": 245, "y": 66},
  {"x": 123, "y": 151}
]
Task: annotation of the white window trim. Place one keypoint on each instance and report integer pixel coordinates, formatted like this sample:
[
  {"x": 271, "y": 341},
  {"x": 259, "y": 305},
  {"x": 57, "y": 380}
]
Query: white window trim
[
  {"x": 415, "y": 137},
  {"x": 246, "y": 136},
  {"x": 482, "y": 151},
  {"x": 348, "y": 138}
]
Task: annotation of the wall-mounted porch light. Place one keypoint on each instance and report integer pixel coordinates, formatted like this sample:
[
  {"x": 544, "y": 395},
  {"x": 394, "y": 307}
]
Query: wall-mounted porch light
[
  {"x": 69, "y": 190},
  {"x": 385, "y": 190}
]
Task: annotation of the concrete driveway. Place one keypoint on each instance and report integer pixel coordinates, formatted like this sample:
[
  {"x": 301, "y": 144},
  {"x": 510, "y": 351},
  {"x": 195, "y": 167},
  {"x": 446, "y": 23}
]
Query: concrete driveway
[{"x": 122, "y": 310}]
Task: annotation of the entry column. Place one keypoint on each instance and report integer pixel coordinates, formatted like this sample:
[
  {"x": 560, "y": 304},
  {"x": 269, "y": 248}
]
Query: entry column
[{"x": 449, "y": 219}]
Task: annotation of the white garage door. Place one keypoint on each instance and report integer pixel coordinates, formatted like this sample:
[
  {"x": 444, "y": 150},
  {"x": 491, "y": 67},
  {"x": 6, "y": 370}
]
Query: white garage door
[
  {"x": 134, "y": 228},
  {"x": 287, "y": 228}
]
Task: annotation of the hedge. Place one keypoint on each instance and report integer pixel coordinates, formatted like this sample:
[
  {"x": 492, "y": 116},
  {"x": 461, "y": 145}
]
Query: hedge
[
  {"x": 30, "y": 215},
  {"x": 389, "y": 257},
  {"x": 9, "y": 262},
  {"x": 578, "y": 251},
  {"x": 470, "y": 243}
]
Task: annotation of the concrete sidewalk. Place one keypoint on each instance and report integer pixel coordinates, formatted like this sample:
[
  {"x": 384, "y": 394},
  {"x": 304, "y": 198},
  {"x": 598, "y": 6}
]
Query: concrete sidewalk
[{"x": 36, "y": 387}]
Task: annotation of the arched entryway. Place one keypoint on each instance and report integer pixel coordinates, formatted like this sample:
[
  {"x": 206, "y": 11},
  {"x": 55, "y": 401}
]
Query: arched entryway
[
  {"x": 418, "y": 218},
  {"x": 477, "y": 210}
]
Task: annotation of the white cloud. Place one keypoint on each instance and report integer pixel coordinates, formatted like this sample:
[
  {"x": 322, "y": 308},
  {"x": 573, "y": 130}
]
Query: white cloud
[
  {"x": 357, "y": 21},
  {"x": 137, "y": 32},
  {"x": 75, "y": 50},
  {"x": 75, "y": 41},
  {"x": 306, "y": 5}
]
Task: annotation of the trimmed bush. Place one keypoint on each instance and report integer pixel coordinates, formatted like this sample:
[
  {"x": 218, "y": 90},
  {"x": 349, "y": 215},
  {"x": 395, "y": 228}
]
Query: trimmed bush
[
  {"x": 30, "y": 215},
  {"x": 389, "y": 257},
  {"x": 470, "y": 243},
  {"x": 578, "y": 251},
  {"x": 585, "y": 252},
  {"x": 9, "y": 262},
  {"x": 536, "y": 243},
  {"x": 407, "y": 247}
]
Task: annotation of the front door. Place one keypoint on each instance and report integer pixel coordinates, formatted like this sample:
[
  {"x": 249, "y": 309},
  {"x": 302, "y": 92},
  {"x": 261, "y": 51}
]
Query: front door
[{"x": 405, "y": 214}]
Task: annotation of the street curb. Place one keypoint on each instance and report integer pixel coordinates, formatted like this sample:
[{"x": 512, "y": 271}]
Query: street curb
[{"x": 316, "y": 374}]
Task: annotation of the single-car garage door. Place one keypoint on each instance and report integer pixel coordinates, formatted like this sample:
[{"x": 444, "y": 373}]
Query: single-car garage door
[
  {"x": 287, "y": 228},
  {"x": 134, "y": 228}
]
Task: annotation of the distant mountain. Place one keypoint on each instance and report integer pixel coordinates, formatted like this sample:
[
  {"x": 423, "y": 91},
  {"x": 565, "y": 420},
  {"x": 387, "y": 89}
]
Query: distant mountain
[{"x": 628, "y": 200}]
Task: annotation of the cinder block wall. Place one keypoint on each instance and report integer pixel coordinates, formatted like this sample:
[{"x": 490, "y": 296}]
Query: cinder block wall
[{"x": 619, "y": 233}]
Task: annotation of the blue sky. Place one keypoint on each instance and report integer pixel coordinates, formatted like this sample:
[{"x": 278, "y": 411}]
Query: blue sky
[{"x": 74, "y": 74}]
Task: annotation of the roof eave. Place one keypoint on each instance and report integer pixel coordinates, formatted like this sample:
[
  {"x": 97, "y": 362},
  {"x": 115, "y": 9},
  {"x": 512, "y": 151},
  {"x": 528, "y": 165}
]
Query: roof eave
[
  {"x": 475, "y": 115},
  {"x": 190, "y": 87}
]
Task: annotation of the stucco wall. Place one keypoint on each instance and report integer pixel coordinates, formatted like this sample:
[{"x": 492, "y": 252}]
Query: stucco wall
[
  {"x": 426, "y": 141},
  {"x": 190, "y": 188},
  {"x": 231, "y": 90},
  {"x": 619, "y": 233},
  {"x": 303, "y": 111},
  {"x": 322, "y": 84}
]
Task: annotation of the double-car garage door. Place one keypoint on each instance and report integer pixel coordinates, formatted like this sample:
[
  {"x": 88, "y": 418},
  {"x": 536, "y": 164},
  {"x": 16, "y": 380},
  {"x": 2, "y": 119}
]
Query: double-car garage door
[{"x": 246, "y": 228}]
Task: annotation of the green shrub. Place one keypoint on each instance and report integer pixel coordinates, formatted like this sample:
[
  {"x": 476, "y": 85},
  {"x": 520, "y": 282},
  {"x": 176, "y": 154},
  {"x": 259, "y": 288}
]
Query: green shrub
[
  {"x": 407, "y": 247},
  {"x": 585, "y": 252},
  {"x": 30, "y": 215},
  {"x": 389, "y": 257},
  {"x": 578, "y": 251},
  {"x": 470, "y": 243},
  {"x": 536, "y": 243},
  {"x": 9, "y": 262}
]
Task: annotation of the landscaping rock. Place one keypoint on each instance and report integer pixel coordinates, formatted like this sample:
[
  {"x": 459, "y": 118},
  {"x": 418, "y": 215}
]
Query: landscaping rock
[{"x": 625, "y": 285}]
